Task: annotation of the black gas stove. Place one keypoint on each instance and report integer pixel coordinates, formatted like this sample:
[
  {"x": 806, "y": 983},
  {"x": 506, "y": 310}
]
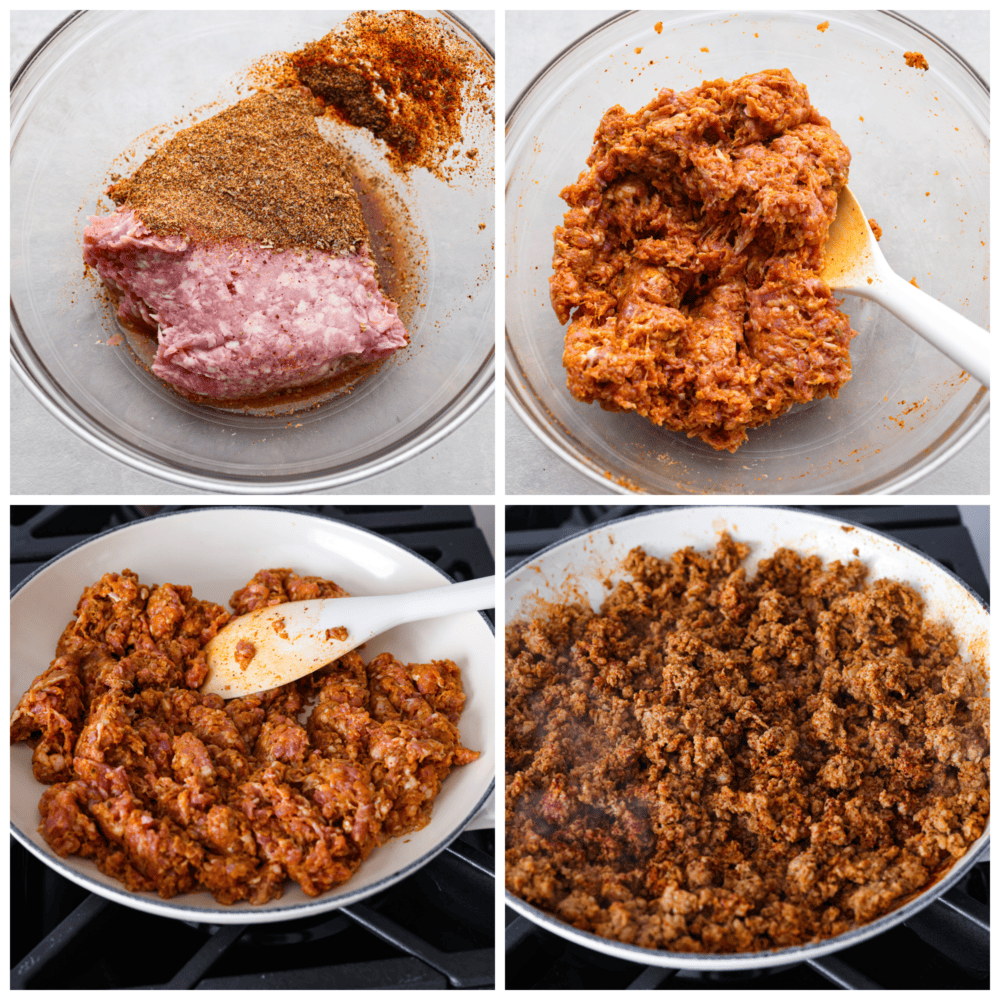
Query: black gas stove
[
  {"x": 945, "y": 946},
  {"x": 433, "y": 930}
]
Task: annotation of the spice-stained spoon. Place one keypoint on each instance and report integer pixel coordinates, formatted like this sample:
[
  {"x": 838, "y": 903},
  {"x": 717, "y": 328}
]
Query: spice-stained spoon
[
  {"x": 274, "y": 645},
  {"x": 854, "y": 264}
]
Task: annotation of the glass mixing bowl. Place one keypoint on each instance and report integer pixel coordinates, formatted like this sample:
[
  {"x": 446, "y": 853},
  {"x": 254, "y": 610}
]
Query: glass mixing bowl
[
  {"x": 97, "y": 86},
  {"x": 920, "y": 147}
]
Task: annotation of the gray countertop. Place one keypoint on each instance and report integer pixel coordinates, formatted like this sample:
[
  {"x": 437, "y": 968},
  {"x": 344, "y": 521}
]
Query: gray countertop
[
  {"x": 47, "y": 458},
  {"x": 530, "y": 467}
]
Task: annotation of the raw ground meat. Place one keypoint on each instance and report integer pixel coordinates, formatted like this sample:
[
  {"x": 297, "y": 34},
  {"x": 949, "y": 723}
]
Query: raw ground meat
[
  {"x": 715, "y": 764},
  {"x": 687, "y": 264},
  {"x": 173, "y": 791},
  {"x": 241, "y": 244},
  {"x": 234, "y": 320}
]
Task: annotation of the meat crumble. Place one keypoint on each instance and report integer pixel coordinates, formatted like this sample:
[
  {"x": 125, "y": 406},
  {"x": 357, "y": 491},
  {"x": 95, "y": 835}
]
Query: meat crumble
[
  {"x": 687, "y": 265},
  {"x": 711, "y": 763},
  {"x": 174, "y": 791}
]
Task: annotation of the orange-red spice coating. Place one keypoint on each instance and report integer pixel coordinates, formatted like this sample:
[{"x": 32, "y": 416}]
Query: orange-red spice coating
[
  {"x": 687, "y": 264},
  {"x": 173, "y": 791},
  {"x": 401, "y": 76}
]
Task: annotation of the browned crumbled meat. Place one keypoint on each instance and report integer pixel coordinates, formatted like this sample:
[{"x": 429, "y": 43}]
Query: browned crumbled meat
[
  {"x": 715, "y": 764},
  {"x": 687, "y": 265},
  {"x": 173, "y": 791},
  {"x": 916, "y": 60}
]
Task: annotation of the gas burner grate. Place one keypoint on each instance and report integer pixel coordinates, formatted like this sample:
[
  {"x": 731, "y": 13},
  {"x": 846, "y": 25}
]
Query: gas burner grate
[
  {"x": 945, "y": 945},
  {"x": 444, "y": 535},
  {"x": 433, "y": 930}
]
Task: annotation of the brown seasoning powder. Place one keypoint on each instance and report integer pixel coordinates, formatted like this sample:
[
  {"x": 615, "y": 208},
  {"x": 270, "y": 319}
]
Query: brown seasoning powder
[{"x": 259, "y": 171}]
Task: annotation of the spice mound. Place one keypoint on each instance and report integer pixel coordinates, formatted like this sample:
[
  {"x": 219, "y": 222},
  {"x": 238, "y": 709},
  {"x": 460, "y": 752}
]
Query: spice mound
[
  {"x": 711, "y": 763},
  {"x": 242, "y": 246},
  {"x": 173, "y": 791},
  {"x": 687, "y": 265}
]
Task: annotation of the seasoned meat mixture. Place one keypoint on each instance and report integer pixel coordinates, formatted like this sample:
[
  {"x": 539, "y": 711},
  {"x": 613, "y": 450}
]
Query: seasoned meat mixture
[
  {"x": 174, "y": 791},
  {"x": 687, "y": 263},
  {"x": 716, "y": 764},
  {"x": 240, "y": 244}
]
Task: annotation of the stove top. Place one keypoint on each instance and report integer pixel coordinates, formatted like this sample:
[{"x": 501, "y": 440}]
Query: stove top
[
  {"x": 945, "y": 946},
  {"x": 433, "y": 930}
]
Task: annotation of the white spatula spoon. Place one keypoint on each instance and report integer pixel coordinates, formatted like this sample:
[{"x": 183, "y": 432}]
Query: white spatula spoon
[
  {"x": 272, "y": 646},
  {"x": 855, "y": 265}
]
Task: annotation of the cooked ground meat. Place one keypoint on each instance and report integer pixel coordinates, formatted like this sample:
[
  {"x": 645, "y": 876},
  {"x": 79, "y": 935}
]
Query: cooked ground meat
[
  {"x": 687, "y": 264},
  {"x": 173, "y": 791},
  {"x": 715, "y": 764}
]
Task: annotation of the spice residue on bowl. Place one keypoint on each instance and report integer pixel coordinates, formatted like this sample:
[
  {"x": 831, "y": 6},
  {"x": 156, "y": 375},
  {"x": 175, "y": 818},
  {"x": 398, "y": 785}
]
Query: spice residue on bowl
[{"x": 409, "y": 87}]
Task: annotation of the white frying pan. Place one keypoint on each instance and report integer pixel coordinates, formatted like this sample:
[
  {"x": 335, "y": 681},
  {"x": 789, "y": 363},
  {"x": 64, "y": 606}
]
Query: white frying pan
[
  {"x": 216, "y": 550},
  {"x": 578, "y": 565}
]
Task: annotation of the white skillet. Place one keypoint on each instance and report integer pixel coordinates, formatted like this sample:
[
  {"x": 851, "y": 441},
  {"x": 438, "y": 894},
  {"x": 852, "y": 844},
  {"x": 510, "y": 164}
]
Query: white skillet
[
  {"x": 590, "y": 556},
  {"x": 216, "y": 550}
]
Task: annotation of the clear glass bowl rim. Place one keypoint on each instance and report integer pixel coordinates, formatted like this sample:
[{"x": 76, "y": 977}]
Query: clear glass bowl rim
[
  {"x": 477, "y": 390},
  {"x": 550, "y": 438}
]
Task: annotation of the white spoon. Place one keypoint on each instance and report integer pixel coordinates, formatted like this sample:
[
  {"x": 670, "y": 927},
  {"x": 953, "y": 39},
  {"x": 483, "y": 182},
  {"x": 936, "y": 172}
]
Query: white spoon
[
  {"x": 287, "y": 641},
  {"x": 854, "y": 264}
]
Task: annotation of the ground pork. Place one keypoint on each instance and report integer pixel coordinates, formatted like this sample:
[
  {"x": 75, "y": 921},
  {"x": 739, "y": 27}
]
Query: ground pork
[
  {"x": 234, "y": 320},
  {"x": 687, "y": 263},
  {"x": 715, "y": 764},
  {"x": 241, "y": 244},
  {"x": 173, "y": 791}
]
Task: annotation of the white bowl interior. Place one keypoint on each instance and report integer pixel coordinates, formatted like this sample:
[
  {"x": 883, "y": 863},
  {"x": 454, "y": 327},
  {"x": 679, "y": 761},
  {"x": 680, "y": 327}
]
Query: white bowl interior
[
  {"x": 574, "y": 569},
  {"x": 216, "y": 551}
]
